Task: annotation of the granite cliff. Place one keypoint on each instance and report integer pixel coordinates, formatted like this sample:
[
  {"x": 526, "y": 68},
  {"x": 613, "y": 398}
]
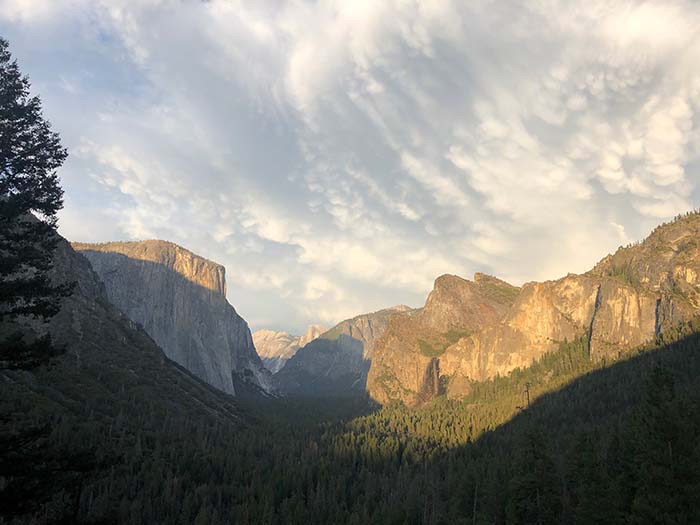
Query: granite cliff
[
  {"x": 276, "y": 348},
  {"x": 180, "y": 300},
  {"x": 337, "y": 362},
  {"x": 111, "y": 369},
  {"x": 471, "y": 331}
]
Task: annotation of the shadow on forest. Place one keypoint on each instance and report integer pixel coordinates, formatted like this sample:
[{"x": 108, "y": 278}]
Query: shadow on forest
[
  {"x": 609, "y": 392},
  {"x": 596, "y": 447},
  {"x": 591, "y": 400},
  {"x": 533, "y": 466}
]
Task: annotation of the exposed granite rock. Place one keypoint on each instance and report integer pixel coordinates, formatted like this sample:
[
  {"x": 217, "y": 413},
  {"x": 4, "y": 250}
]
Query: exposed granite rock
[
  {"x": 111, "y": 368},
  {"x": 409, "y": 354},
  {"x": 543, "y": 315},
  {"x": 647, "y": 288},
  {"x": 471, "y": 331},
  {"x": 337, "y": 362},
  {"x": 180, "y": 300},
  {"x": 276, "y": 348},
  {"x": 459, "y": 303}
]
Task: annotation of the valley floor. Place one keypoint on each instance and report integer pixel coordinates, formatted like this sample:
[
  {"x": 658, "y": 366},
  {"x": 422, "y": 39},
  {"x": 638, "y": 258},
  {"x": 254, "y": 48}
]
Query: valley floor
[{"x": 601, "y": 444}]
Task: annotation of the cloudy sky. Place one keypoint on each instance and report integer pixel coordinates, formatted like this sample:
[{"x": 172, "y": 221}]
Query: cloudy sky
[{"x": 337, "y": 156}]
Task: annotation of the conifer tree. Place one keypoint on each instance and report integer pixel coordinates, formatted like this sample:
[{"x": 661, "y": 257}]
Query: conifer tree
[
  {"x": 533, "y": 489},
  {"x": 667, "y": 478},
  {"x": 30, "y": 198}
]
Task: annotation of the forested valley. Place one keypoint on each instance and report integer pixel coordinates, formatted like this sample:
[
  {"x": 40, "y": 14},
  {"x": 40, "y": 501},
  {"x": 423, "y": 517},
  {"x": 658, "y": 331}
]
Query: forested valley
[
  {"x": 597, "y": 444},
  {"x": 131, "y": 390}
]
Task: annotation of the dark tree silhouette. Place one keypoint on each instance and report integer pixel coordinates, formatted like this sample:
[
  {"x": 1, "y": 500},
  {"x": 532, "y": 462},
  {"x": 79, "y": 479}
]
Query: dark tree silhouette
[{"x": 30, "y": 198}]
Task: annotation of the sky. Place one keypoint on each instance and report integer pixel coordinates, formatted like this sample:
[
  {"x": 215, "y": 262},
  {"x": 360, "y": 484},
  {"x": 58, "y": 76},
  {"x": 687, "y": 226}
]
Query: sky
[{"x": 338, "y": 156}]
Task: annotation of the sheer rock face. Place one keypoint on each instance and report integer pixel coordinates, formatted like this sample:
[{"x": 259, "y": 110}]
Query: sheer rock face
[
  {"x": 337, "y": 362},
  {"x": 472, "y": 331},
  {"x": 180, "y": 300},
  {"x": 111, "y": 366},
  {"x": 647, "y": 288},
  {"x": 276, "y": 348}
]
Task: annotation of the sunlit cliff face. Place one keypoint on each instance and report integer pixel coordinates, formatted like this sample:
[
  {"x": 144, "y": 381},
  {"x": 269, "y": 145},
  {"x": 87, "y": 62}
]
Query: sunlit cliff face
[
  {"x": 336, "y": 158},
  {"x": 476, "y": 330}
]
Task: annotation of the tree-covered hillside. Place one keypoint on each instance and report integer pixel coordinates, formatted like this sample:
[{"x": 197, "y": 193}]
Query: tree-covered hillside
[{"x": 597, "y": 444}]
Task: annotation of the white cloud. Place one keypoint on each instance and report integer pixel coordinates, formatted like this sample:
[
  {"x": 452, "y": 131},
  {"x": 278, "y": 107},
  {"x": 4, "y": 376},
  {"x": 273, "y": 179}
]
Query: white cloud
[{"x": 338, "y": 156}]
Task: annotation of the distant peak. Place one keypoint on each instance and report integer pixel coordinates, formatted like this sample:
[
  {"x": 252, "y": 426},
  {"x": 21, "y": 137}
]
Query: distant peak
[
  {"x": 447, "y": 280},
  {"x": 399, "y": 308},
  {"x": 313, "y": 331},
  {"x": 266, "y": 332},
  {"x": 484, "y": 278}
]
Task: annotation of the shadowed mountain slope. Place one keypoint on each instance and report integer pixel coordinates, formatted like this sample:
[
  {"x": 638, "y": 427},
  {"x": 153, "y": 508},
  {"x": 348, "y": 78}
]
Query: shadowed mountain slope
[
  {"x": 337, "y": 362},
  {"x": 108, "y": 355},
  {"x": 180, "y": 300}
]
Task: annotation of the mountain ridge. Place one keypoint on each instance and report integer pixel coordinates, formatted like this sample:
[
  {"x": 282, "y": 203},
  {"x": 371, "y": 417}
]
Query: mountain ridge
[{"x": 464, "y": 334}]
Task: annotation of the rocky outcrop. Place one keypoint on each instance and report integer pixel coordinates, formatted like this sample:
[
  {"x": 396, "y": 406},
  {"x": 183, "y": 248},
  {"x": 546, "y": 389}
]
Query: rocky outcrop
[
  {"x": 337, "y": 362},
  {"x": 276, "y": 348},
  {"x": 472, "y": 331},
  {"x": 180, "y": 300},
  {"x": 412, "y": 351}
]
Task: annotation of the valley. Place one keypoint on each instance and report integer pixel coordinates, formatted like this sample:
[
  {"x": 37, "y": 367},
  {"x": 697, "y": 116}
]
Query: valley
[
  {"x": 317, "y": 445},
  {"x": 406, "y": 304}
]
